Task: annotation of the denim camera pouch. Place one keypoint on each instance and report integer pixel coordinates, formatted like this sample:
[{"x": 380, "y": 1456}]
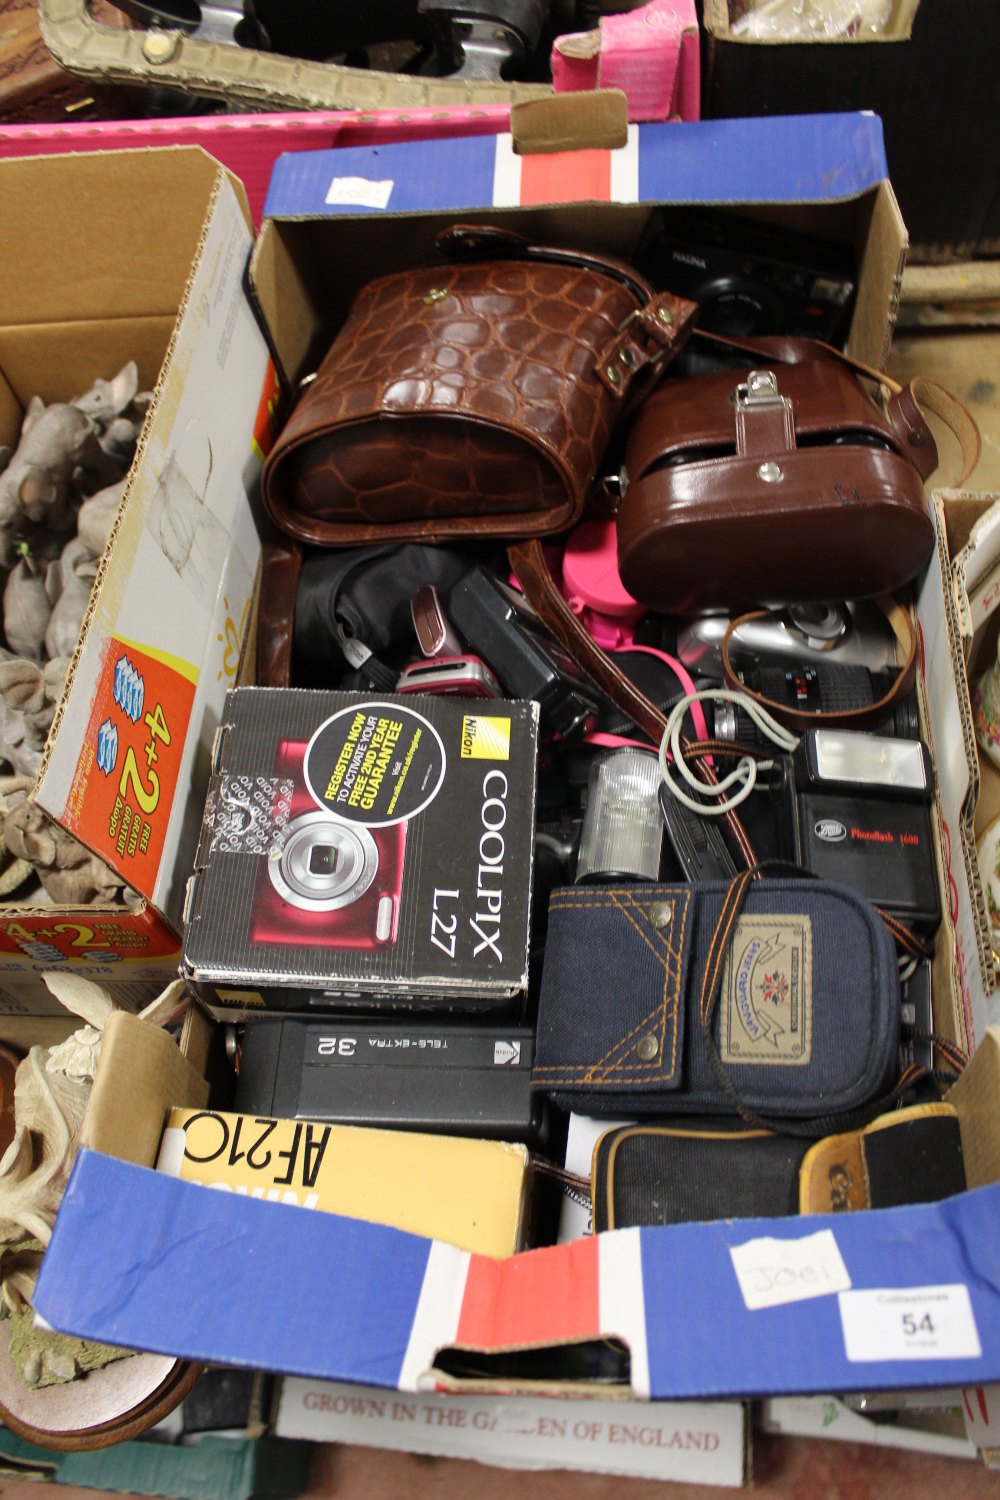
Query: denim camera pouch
[{"x": 769, "y": 997}]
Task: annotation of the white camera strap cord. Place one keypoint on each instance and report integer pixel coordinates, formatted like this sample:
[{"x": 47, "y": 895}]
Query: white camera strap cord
[{"x": 700, "y": 798}]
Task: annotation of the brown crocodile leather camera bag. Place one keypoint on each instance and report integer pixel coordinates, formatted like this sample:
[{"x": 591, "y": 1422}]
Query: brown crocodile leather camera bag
[{"x": 473, "y": 398}]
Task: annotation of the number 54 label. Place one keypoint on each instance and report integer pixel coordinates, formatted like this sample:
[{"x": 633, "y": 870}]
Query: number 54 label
[{"x": 914, "y": 1322}]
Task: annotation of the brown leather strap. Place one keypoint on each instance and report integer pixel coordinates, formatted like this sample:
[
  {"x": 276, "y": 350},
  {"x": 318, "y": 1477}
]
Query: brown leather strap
[
  {"x": 282, "y": 564},
  {"x": 644, "y": 346},
  {"x": 787, "y": 350},
  {"x": 527, "y": 559},
  {"x": 911, "y": 431},
  {"x": 949, "y": 410},
  {"x": 855, "y": 718}
]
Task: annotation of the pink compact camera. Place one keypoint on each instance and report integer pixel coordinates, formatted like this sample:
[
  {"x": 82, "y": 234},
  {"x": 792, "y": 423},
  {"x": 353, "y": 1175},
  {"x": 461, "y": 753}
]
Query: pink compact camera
[{"x": 332, "y": 883}]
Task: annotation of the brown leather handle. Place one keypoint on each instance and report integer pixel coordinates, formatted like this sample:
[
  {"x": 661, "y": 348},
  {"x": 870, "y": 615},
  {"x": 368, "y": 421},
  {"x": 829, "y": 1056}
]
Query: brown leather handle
[
  {"x": 787, "y": 349},
  {"x": 528, "y": 562},
  {"x": 495, "y": 242},
  {"x": 954, "y": 415},
  {"x": 855, "y": 718},
  {"x": 642, "y": 346}
]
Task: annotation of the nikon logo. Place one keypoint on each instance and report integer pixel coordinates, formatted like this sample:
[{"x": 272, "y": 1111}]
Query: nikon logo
[
  {"x": 485, "y": 737},
  {"x": 830, "y": 830}
]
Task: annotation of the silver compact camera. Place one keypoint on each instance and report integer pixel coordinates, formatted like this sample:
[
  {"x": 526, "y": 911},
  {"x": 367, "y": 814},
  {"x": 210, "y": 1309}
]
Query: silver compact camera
[{"x": 855, "y": 634}]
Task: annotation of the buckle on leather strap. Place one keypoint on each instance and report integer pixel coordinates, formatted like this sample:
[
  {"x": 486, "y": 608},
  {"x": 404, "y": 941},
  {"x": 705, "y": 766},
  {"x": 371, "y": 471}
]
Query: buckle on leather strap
[
  {"x": 645, "y": 341},
  {"x": 765, "y": 423},
  {"x": 759, "y": 392}
]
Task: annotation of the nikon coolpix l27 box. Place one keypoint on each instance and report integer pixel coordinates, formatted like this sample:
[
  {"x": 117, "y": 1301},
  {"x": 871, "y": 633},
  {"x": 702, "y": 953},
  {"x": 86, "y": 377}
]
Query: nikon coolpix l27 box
[{"x": 366, "y": 852}]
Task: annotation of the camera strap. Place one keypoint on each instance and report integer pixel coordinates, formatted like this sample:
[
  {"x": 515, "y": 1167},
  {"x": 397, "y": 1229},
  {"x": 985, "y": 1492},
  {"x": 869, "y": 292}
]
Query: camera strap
[
  {"x": 865, "y": 717},
  {"x": 528, "y": 562},
  {"x": 280, "y": 570}
]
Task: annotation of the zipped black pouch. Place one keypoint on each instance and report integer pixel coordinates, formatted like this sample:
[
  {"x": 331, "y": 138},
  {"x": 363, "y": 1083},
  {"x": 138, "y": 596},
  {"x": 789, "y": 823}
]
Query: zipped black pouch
[
  {"x": 680, "y": 1171},
  {"x": 693, "y": 1170},
  {"x": 777, "y": 997}
]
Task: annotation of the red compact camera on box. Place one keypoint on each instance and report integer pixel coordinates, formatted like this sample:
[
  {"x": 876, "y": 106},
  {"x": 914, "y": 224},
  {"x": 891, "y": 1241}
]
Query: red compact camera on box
[{"x": 330, "y": 883}]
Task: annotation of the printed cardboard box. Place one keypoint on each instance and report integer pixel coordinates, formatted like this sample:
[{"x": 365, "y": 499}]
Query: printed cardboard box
[
  {"x": 821, "y": 175},
  {"x": 704, "y": 1442},
  {"x": 396, "y": 1301},
  {"x": 824, "y": 176},
  {"x": 954, "y": 610},
  {"x": 363, "y": 845},
  {"x": 472, "y": 1193},
  {"x": 931, "y": 1423},
  {"x": 248, "y": 145},
  {"x": 137, "y": 255},
  {"x": 901, "y": 1297}
]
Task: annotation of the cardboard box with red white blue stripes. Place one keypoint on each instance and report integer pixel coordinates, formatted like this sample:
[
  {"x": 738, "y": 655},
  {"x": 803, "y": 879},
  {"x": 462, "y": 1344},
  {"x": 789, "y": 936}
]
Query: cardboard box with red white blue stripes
[
  {"x": 801, "y": 159},
  {"x": 333, "y": 219},
  {"x": 900, "y": 1297},
  {"x": 876, "y": 1300}
]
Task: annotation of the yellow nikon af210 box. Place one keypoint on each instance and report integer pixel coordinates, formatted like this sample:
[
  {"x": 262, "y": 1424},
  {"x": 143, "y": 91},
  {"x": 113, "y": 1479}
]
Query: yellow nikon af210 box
[
  {"x": 467, "y": 1193},
  {"x": 364, "y": 851}
]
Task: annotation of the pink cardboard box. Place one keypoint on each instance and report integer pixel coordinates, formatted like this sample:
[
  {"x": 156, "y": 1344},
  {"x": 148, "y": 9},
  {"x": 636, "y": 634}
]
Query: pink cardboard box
[
  {"x": 652, "y": 54},
  {"x": 249, "y": 144}
]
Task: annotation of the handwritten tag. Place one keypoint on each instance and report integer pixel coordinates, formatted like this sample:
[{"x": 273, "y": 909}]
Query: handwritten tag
[
  {"x": 772, "y": 1272},
  {"x": 360, "y": 192},
  {"x": 913, "y": 1322}
]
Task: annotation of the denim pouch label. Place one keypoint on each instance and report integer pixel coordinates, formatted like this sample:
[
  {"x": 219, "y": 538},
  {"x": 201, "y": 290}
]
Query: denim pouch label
[
  {"x": 808, "y": 1013},
  {"x": 767, "y": 993}
]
